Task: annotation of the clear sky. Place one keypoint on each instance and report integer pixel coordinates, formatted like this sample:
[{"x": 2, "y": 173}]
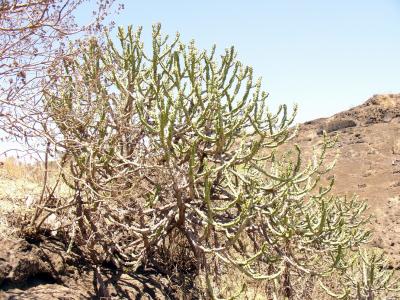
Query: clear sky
[{"x": 327, "y": 56}]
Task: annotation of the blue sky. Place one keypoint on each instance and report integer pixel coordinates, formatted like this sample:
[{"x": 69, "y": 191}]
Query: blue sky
[{"x": 327, "y": 56}]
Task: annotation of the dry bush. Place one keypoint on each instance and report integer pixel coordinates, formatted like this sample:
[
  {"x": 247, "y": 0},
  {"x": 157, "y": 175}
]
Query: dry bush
[{"x": 34, "y": 35}]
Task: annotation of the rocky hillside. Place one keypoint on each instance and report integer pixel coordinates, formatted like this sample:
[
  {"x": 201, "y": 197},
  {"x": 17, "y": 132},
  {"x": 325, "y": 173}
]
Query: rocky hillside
[{"x": 368, "y": 164}]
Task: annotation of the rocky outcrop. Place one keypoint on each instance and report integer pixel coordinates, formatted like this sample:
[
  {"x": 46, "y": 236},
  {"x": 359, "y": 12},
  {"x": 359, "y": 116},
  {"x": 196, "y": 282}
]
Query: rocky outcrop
[
  {"x": 44, "y": 271},
  {"x": 377, "y": 109},
  {"x": 21, "y": 261}
]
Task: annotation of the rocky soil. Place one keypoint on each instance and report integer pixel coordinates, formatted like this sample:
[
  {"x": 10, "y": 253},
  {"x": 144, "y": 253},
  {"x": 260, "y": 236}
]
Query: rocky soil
[{"x": 44, "y": 271}]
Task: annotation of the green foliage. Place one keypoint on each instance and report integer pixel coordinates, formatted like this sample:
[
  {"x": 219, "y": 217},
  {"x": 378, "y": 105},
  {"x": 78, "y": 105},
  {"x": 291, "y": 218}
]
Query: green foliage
[
  {"x": 181, "y": 139},
  {"x": 366, "y": 276}
]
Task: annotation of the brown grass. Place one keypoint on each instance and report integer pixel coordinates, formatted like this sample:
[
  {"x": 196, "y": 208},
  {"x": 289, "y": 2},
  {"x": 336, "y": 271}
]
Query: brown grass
[{"x": 13, "y": 169}]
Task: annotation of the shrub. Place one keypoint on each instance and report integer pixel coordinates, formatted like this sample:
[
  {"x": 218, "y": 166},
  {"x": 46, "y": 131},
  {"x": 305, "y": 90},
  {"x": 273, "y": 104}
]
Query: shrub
[{"x": 178, "y": 140}]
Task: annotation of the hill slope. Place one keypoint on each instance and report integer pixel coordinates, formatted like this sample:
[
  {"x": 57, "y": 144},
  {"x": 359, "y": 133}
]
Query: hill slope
[{"x": 368, "y": 163}]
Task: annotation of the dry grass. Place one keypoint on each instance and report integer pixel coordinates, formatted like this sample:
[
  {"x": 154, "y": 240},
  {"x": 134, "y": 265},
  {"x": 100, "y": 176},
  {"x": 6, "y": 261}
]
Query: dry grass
[
  {"x": 13, "y": 169},
  {"x": 21, "y": 185},
  {"x": 17, "y": 182}
]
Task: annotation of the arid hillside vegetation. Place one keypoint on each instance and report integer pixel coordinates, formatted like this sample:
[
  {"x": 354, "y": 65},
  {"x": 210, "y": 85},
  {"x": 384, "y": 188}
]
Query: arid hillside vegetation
[{"x": 160, "y": 171}]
